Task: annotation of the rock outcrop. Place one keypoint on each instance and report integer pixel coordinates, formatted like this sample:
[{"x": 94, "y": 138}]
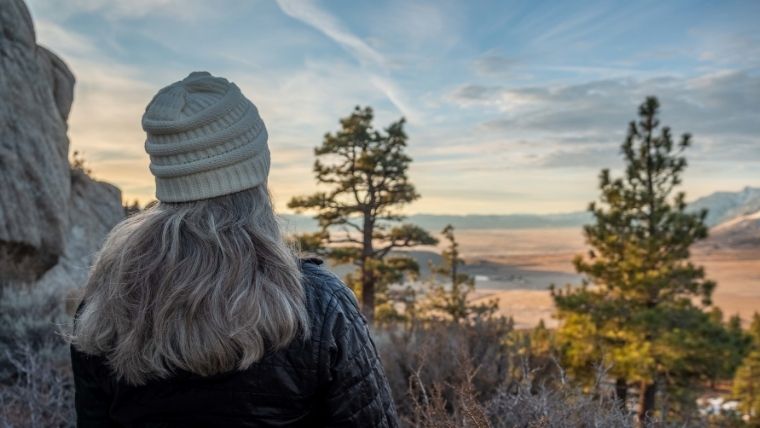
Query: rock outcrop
[
  {"x": 94, "y": 208},
  {"x": 51, "y": 219}
]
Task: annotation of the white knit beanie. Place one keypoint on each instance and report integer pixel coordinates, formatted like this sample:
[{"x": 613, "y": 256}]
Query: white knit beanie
[{"x": 205, "y": 139}]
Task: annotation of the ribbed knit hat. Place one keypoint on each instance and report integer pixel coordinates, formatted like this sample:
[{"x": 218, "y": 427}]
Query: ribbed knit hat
[{"x": 205, "y": 139}]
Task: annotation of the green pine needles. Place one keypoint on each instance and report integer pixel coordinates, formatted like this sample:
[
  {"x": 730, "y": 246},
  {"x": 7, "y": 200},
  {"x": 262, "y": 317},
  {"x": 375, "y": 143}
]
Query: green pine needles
[{"x": 642, "y": 309}]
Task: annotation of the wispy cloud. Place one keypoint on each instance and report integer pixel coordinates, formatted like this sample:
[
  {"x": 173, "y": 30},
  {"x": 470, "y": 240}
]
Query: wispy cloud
[
  {"x": 119, "y": 9},
  {"x": 723, "y": 102},
  {"x": 375, "y": 63},
  {"x": 397, "y": 97},
  {"x": 741, "y": 49},
  {"x": 65, "y": 42},
  {"x": 309, "y": 13},
  {"x": 495, "y": 64},
  {"x": 508, "y": 94}
]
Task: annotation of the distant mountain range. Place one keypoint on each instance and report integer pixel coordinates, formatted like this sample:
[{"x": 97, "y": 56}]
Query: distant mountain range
[
  {"x": 436, "y": 222},
  {"x": 739, "y": 232},
  {"x": 722, "y": 207},
  {"x": 726, "y": 206}
]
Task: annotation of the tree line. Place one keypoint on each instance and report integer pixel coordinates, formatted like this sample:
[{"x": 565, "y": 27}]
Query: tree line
[{"x": 643, "y": 312}]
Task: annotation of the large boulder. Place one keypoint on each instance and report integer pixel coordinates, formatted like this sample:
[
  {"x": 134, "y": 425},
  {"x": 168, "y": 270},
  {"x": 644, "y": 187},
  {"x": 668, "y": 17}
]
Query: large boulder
[
  {"x": 94, "y": 208},
  {"x": 51, "y": 219}
]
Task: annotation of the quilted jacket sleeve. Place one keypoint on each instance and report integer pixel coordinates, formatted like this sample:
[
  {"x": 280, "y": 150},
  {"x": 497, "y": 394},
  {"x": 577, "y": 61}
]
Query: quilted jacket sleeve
[
  {"x": 91, "y": 400},
  {"x": 357, "y": 389}
]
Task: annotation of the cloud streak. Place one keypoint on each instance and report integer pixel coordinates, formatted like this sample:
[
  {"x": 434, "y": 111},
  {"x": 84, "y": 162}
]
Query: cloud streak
[
  {"x": 714, "y": 103},
  {"x": 309, "y": 13},
  {"x": 504, "y": 95},
  {"x": 187, "y": 10},
  {"x": 312, "y": 15}
]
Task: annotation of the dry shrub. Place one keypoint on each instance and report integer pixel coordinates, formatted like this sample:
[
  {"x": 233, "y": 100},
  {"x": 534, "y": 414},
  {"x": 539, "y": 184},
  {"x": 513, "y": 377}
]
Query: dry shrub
[
  {"x": 473, "y": 375},
  {"x": 431, "y": 410},
  {"x": 41, "y": 393},
  {"x": 36, "y": 386},
  {"x": 427, "y": 360},
  {"x": 524, "y": 403}
]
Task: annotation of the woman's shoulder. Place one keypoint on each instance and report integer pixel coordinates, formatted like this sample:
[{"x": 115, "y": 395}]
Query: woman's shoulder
[
  {"x": 326, "y": 291},
  {"x": 319, "y": 279}
]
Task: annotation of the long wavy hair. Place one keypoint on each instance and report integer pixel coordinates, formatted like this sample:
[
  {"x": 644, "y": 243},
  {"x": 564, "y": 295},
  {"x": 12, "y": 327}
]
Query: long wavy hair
[{"x": 206, "y": 287}]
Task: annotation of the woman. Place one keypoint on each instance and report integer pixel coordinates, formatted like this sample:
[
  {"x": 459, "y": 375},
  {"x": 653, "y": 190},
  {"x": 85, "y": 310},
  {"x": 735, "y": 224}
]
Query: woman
[{"x": 197, "y": 313}]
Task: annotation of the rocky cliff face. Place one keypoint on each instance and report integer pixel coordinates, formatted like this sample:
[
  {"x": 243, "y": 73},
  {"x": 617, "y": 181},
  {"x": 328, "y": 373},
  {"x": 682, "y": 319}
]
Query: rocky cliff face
[{"x": 51, "y": 220}]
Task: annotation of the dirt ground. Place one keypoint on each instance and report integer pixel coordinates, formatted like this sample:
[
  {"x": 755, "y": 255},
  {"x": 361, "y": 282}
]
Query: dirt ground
[{"x": 517, "y": 266}]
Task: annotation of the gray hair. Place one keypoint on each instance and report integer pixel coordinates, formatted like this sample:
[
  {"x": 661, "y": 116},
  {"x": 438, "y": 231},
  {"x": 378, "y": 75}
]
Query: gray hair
[{"x": 206, "y": 286}]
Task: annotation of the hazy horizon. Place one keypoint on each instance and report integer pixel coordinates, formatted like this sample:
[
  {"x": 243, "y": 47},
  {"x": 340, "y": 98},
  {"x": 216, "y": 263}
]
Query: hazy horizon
[{"x": 512, "y": 108}]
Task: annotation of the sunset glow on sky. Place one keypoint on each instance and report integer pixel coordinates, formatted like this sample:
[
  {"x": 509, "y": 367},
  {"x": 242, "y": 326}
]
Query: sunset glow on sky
[{"x": 511, "y": 106}]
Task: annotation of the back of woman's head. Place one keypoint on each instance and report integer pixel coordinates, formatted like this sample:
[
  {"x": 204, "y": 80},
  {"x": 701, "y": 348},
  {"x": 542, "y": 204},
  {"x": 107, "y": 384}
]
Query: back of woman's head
[
  {"x": 203, "y": 280},
  {"x": 205, "y": 287}
]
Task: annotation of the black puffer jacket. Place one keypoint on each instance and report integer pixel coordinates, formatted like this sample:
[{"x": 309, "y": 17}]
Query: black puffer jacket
[{"x": 334, "y": 379}]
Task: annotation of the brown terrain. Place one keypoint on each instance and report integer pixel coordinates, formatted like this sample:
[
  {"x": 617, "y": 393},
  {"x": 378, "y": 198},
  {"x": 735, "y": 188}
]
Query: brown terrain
[{"x": 517, "y": 266}]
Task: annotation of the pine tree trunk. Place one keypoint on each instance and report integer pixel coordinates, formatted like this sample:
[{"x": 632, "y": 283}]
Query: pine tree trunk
[
  {"x": 368, "y": 282},
  {"x": 646, "y": 403},
  {"x": 368, "y": 295},
  {"x": 621, "y": 393}
]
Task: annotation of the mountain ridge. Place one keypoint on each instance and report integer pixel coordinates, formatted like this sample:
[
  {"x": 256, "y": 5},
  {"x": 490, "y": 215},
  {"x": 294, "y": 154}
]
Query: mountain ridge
[
  {"x": 722, "y": 206},
  {"x": 725, "y": 206}
]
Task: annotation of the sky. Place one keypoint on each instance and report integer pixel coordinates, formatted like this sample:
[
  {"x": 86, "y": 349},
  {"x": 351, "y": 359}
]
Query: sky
[{"x": 511, "y": 107}]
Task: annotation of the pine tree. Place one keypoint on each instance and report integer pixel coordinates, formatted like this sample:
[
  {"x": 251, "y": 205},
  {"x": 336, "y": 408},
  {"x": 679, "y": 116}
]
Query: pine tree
[
  {"x": 78, "y": 165},
  {"x": 730, "y": 345},
  {"x": 366, "y": 173},
  {"x": 636, "y": 308},
  {"x": 747, "y": 379},
  {"x": 131, "y": 208},
  {"x": 452, "y": 300}
]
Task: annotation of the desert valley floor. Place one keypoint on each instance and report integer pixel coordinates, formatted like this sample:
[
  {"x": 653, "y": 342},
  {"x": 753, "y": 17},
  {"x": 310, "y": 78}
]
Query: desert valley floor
[{"x": 517, "y": 266}]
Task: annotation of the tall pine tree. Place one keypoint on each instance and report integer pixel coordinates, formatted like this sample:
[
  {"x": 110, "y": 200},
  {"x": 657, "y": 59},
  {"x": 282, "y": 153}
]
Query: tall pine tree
[
  {"x": 747, "y": 380},
  {"x": 365, "y": 171},
  {"x": 641, "y": 306}
]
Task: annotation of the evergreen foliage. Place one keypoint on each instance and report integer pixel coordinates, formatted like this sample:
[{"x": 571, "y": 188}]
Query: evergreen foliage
[
  {"x": 452, "y": 300},
  {"x": 747, "y": 379},
  {"x": 365, "y": 171},
  {"x": 642, "y": 306},
  {"x": 131, "y": 208}
]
